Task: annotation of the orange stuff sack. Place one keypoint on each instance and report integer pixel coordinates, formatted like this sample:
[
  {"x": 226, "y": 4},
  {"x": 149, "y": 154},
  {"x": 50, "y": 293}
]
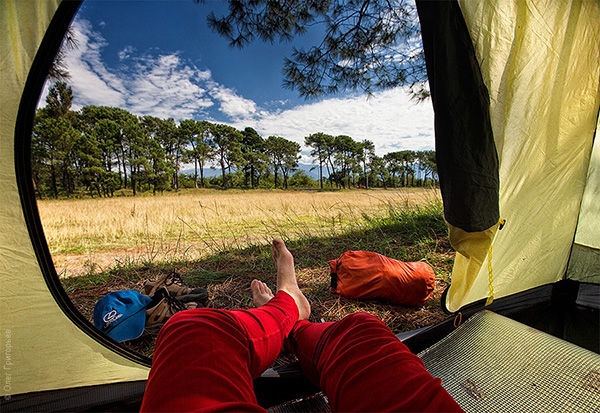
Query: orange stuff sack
[{"x": 371, "y": 276}]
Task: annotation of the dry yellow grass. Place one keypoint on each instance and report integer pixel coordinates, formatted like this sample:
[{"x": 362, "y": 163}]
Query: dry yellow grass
[{"x": 190, "y": 223}]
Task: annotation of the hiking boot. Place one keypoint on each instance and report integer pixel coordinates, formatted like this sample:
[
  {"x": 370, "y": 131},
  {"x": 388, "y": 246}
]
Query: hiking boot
[
  {"x": 198, "y": 295},
  {"x": 176, "y": 287},
  {"x": 162, "y": 307}
]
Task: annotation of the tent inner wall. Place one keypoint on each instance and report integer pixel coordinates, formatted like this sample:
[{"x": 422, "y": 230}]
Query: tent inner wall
[
  {"x": 43, "y": 348},
  {"x": 540, "y": 66},
  {"x": 584, "y": 264}
]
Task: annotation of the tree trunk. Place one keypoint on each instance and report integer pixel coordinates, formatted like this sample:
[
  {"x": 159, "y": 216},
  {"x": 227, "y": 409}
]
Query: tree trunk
[
  {"x": 124, "y": 169},
  {"x": 119, "y": 171},
  {"x": 53, "y": 178},
  {"x": 202, "y": 174},
  {"x": 224, "y": 185},
  {"x": 321, "y": 173}
]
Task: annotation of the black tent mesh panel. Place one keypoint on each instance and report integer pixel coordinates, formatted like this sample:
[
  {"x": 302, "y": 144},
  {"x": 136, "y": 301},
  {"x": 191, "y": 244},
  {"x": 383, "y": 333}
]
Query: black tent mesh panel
[{"x": 494, "y": 364}]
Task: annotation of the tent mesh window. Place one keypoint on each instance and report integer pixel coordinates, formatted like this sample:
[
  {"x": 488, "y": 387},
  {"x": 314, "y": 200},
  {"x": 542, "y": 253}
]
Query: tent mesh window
[{"x": 494, "y": 364}]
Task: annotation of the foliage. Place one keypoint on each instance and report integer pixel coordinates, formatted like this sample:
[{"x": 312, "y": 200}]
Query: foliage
[
  {"x": 284, "y": 156},
  {"x": 100, "y": 151},
  {"x": 365, "y": 44}
]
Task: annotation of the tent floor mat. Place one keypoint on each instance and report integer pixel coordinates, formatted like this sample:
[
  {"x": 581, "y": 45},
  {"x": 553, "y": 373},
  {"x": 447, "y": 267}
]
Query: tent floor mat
[
  {"x": 315, "y": 403},
  {"x": 494, "y": 364}
]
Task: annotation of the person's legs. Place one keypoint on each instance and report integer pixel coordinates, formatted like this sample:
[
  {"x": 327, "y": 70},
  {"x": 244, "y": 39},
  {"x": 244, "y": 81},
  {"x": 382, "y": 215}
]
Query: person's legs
[
  {"x": 205, "y": 359},
  {"x": 361, "y": 366}
]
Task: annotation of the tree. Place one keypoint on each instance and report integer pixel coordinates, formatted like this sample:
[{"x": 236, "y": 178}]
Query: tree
[
  {"x": 366, "y": 154},
  {"x": 195, "y": 133},
  {"x": 409, "y": 159},
  {"x": 284, "y": 155},
  {"x": 111, "y": 127},
  {"x": 138, "y": 153},
  {"x": 367, "y": 44},
  {"x": 318, "y": 142},
  {"x": 58, "y": 70},
  {"x": 379, "y": 169},
  {"x": 54, "y": 137},
  {"x": 253, "y": 152},
  {"x": 227, "y": 144},
  {"x": 290, "y": 160},
  {"x": 170, "y": 140},
  {"x": 59, "y": 100},
  {"x": 427, "y": 164},
  {"x": 159, "y": 166},
  {"x": 346, "y": 154},
  {"x": 394, "y": 166}
]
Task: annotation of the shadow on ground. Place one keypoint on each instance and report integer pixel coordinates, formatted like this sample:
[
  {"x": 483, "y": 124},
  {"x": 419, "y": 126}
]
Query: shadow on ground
[{"x": 228, "y": 273}]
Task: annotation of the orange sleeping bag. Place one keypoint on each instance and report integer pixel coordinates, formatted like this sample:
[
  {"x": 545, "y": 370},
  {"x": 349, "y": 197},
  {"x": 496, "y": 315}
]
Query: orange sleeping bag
[{"x": 371, "y": 276}]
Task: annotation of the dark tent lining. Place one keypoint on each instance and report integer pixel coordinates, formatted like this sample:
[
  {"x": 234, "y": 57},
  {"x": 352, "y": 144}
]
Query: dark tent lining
[{"x": 466, "y": 155}]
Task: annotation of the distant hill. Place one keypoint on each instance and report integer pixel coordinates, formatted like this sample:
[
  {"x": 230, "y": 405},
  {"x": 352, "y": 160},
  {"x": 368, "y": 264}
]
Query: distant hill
[{"x": 306, "y": 168}]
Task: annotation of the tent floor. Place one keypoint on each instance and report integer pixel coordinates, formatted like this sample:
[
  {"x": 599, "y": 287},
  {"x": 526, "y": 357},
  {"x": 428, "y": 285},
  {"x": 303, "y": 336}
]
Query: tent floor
[
  {"x": 494, "y": 364},
  {"x": 567, "y": 311}
]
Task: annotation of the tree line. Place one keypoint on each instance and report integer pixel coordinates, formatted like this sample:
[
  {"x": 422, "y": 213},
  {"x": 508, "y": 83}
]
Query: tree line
[{"x": 100, "y": 150}]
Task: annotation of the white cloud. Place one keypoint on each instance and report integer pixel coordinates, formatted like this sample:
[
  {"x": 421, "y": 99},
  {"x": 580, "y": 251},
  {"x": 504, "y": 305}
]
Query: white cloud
[
  {"x": 91, "y": 79},
  {"x": 390, "y": 119},
  {"x": 166, "y": 85},
  {"x": 126, "y": 52},
  {"x": 233, "y": 105},
  {"x": 161, "y": 86}
]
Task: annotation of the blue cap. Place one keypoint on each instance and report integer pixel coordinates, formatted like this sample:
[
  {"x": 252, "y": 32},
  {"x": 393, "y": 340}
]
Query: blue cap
[{"x": 121, "y": 314}]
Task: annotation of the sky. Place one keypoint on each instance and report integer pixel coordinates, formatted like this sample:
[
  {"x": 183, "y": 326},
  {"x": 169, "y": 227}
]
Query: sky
[{"x": 160, "y": 58}]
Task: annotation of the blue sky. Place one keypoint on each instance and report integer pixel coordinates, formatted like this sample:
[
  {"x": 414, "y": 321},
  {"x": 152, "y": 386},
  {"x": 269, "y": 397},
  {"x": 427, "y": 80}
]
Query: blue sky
[{"x": 159, "y": 58}]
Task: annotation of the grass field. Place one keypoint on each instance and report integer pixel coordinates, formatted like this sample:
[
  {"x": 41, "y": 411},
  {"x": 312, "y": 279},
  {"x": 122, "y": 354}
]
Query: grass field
[
  {"x": 97, "y": 234},
  {"x": 220, "y": 240}
]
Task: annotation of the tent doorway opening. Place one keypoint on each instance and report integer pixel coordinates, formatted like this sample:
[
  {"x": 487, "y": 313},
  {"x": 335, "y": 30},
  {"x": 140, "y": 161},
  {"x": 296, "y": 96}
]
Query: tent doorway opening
[{"x": 128, "y": 193}]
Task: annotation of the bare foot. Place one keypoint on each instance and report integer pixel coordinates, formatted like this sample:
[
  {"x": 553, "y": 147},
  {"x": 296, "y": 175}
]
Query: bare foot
[
  {"x": 286, "y": 277},
  {"x": 261, "y": 293}
]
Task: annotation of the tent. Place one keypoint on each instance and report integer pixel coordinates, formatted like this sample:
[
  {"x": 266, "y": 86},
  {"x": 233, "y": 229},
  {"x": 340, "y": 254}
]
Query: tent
[{"x": 516, "y": 91}]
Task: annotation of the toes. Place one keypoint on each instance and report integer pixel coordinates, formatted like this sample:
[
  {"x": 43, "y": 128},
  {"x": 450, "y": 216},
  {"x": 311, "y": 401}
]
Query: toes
[{"x": 256, "y": 287}]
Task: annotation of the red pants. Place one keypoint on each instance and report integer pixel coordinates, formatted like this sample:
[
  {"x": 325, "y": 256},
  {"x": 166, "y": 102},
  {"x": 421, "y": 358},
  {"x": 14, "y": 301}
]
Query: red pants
[{"x": 206, "y": 359}]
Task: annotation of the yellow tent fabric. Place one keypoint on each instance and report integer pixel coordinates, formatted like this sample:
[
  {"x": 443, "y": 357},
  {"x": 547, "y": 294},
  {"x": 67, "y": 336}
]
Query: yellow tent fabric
[
  {"x": 42, "y": 349},
  {"x": 540, "y": 61},
  {"x": 588, "y": 227},
  {"x": 584, "y": 264}
]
